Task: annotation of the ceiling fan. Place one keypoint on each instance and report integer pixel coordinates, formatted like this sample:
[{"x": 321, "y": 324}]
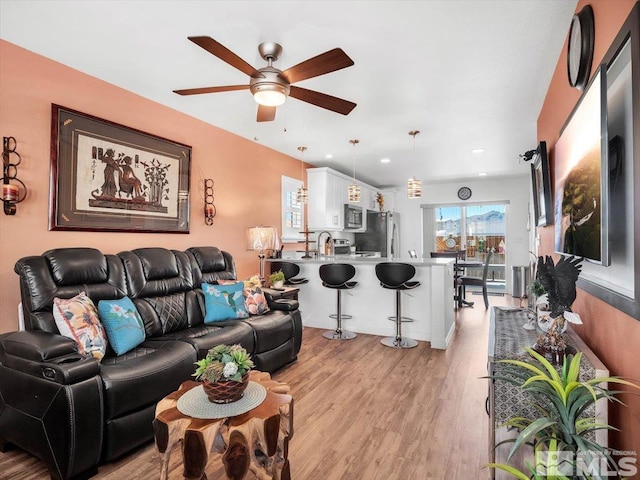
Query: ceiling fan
[{"x": 271, "y": 86}]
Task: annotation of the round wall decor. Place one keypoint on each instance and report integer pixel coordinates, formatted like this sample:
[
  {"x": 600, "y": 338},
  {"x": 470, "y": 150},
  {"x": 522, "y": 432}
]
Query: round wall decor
[
  {"x": 580, "y": 48},
  {"x": 464, "y": 193}
]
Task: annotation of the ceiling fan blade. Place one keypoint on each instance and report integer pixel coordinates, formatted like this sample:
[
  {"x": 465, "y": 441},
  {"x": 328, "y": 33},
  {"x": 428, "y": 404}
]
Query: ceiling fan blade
[
  {"x": 226, "y": 55},
  {"x": 266, "y": 114},
  {"x": 326, "y": 62},
  {"x": 322, "y": 100},
  {"x": 197, "y": 91}
]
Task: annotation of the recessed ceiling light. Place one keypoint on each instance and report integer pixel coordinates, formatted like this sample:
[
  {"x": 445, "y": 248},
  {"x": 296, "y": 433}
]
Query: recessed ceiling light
[
  {"x": 329, "y": 155},
  {"x": 482, "y": 174},
  {"x": 385, "y": 160},
  {"x": 477, "y": 150}
]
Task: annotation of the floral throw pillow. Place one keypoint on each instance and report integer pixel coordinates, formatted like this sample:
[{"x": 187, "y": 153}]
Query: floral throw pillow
[
  {"x": 77, "y": 318},
  {"x": 255, "y": 301},
  {"x": 223, "y": 302},
  {"x": 123, "y": 324}
]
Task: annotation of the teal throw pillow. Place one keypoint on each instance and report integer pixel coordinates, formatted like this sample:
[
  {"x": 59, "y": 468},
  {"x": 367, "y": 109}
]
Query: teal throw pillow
[
  {"x": 223, "y": 302},
  {"x": 122, "y": 322}
]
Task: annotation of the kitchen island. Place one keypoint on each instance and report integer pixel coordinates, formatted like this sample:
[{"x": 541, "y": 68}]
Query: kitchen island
[{"x": 431, "y": 305}]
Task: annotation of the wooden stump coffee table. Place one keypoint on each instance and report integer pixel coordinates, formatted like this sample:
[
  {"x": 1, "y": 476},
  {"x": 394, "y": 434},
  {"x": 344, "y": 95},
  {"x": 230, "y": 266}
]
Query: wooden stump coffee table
[{"x": 256, "y": 441}]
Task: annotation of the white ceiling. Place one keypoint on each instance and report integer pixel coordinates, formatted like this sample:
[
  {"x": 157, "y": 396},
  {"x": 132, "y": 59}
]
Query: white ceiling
[{"x": 466, "y": 73}]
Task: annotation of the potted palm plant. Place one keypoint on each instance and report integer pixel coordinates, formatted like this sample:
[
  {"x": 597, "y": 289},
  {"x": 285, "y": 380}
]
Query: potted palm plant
[{"x": 563, "y": 434}]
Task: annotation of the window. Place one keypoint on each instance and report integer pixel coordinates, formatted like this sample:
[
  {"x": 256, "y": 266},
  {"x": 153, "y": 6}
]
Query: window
[{"x": 292, "y": 211}]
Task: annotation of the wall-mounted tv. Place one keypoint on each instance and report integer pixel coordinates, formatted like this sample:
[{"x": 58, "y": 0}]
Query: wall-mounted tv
[{"x": 581, "y": 197}]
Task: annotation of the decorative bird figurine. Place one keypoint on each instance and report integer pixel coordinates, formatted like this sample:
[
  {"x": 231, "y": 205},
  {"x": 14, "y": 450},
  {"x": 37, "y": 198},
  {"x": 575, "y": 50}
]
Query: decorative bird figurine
[{"x": 560, "y": 282}]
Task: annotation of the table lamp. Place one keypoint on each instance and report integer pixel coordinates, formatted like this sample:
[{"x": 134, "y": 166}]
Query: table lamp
[{"x": 261, "y": 239}]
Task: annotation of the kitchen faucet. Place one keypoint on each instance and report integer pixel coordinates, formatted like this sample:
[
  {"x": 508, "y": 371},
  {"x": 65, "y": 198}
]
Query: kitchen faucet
[{"x": 330, "y": 241}]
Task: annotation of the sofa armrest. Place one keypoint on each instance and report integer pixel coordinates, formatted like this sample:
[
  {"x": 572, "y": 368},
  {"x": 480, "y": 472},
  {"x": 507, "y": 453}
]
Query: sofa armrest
[
  {"x": 282, "y": 304},
  {"x": 46, "y": 355}
]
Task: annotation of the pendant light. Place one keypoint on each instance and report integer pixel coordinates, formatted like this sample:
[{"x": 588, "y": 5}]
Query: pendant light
[
  {"x": 354, "y": 188},
  {"x": 414, "y": 186},
  {"x": 303, "y": 194}
]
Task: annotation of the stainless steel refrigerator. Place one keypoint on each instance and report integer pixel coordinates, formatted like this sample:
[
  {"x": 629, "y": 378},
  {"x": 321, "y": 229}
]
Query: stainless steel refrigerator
[{"x": 382, "y": 234}]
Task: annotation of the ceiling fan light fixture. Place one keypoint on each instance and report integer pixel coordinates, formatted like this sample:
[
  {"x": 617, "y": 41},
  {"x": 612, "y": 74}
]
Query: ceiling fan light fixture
[{"x": 269, "y": 95}]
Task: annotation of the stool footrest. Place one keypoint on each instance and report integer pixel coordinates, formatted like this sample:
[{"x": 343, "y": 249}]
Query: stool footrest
[
  {"x": 402, "y": 342},
  {"x": 404, "y": 319},
  {"x": 344, "y": 316},
  {"x": 339, "y": 335}
]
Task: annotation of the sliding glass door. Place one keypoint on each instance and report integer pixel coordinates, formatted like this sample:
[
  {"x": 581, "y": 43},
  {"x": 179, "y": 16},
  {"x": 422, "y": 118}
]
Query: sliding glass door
[{"x": 476, "y": 229}]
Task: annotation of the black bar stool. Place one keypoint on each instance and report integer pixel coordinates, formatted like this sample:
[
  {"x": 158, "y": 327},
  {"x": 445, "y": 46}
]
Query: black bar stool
[
  {"x": 290, "y": 270},
  {"x": 396, "y": 276},
  {"x": 337, "y": 275}
]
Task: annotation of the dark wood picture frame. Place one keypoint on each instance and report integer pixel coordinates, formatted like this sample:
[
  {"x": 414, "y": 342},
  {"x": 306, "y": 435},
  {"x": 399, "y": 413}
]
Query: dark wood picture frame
[
  {"x": 581, "y": 177},
  {"x": 541, "y": 182},
  {"x": 624, "y": 146},
  {"x": 109, "y": 177}
]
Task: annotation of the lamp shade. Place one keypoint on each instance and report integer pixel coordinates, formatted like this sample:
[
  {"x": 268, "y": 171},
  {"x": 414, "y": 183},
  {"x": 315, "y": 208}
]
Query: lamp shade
[
  {"x": 414, "y": 188},
  {"x": 262, "y": 238}
]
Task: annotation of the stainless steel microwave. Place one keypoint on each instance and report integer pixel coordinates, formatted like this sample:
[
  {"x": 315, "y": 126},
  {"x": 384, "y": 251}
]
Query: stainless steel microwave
[{"x": 352, "y": 216}]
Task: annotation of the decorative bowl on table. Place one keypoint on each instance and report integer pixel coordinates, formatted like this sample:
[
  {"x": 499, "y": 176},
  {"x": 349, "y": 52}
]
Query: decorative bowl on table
[
  {"x": 224, "y": 373},
  {"x": 225, "y": 391}
]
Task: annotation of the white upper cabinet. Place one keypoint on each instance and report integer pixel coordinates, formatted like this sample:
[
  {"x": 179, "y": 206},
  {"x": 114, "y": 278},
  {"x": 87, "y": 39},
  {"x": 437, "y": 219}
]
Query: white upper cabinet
[{"x": 328, "y": 196}]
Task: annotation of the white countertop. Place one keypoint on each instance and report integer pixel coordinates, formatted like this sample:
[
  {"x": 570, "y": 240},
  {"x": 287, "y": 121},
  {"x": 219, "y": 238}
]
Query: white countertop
[{"x": 364, "y": 260}]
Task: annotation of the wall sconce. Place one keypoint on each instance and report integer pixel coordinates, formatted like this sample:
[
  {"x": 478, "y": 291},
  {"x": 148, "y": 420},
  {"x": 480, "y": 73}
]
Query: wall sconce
[
  {"x": 209, "y": 207},
  {"x": 11, "y": 194},
  {"x": 261, "y": 239}
]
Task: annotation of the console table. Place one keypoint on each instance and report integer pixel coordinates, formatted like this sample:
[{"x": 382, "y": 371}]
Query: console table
[{"x": 507, "y": 340}]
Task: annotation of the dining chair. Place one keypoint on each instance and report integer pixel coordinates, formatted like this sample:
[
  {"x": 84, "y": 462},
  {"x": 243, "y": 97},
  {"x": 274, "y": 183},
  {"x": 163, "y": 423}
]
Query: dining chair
[
  {"x": 457, "y": 271},
  {"x": 478, "y": 282}
]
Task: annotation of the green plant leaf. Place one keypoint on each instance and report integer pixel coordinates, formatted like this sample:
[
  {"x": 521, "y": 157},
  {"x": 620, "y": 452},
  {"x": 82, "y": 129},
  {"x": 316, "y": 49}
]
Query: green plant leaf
[
  {"x": 529, "y": 434},
  {"x": 508, "y": 468}
]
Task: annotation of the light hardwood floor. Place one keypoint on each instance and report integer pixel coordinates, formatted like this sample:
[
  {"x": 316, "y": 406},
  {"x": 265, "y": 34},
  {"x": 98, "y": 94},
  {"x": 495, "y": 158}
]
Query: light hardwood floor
[{"x": 362, "y": 411}]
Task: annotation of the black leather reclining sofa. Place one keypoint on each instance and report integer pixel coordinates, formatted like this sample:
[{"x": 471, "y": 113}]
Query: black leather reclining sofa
[{"x": 74, "y": 412}]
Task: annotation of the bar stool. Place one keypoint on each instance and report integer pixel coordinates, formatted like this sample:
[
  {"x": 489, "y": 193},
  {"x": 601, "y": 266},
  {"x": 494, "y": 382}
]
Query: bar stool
[
  {"x": 290, "y": 270},
  {"x": 396, "y": 276},
  {"x": 337, "y": 276}
]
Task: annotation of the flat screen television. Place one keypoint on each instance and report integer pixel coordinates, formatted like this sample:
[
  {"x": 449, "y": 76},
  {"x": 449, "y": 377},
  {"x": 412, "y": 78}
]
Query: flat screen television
[{"x": 581, "y": 192}]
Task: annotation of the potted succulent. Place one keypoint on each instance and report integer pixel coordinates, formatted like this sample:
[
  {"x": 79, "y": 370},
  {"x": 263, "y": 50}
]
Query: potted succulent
[
  {"x": 563, "y": 430},
  {"x": 224, "y": 373},
  {"x": 276, "y": 279}
]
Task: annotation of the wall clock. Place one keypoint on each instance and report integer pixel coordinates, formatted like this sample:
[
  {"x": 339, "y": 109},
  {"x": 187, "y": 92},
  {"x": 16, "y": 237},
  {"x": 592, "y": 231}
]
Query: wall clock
[
  {"x": 464, "y": 193},
  {"x": 580, "y": 48}
]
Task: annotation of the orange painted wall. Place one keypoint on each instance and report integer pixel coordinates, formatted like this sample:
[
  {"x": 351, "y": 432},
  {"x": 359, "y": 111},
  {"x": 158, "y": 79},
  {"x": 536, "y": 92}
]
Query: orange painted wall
[
  {"x": 611, "y": 334},
  {"x": 246, "y": 174}
]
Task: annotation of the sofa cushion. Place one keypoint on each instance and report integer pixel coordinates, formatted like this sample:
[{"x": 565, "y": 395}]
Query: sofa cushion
[
  {"x": 224, "y": 302},
  {"x": 206, "y": 336},
  {"x": 144, "y": 375},
  {"x": 77, "y": 318},
  {"x": 123, "y": 324},
  {"x": 271, "y": 330}
]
